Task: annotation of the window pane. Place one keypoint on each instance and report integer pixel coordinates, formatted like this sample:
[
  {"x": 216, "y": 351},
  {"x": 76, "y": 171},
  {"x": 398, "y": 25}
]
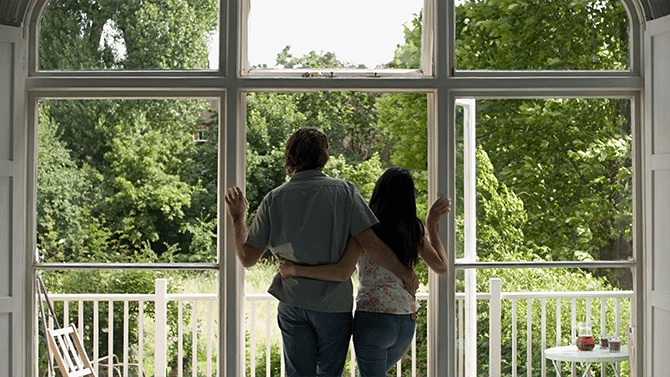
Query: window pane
[
  {"x": 330, "y": 34},
  {"x": 542, "y": 35},
  {"x": 129, "y": 35},
  {"x": 125, "y": 181},
  {"x": 553, "y": 180},
  {"x": 188, "y": 320},
  {"x": 539, "y": 308},
  {"x": 368, "y": 132}
]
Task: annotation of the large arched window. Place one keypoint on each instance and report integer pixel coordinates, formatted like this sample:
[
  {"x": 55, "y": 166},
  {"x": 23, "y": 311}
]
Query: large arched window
[{"x": 526, "y": 113}]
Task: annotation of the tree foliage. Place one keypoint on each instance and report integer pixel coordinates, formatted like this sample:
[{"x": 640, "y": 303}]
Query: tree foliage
[
  {"x": 567, "y": 160},
  {"x": 110, "y": 34},
  {"x": 570, "y": 162},
  {"x": 348, "y": 118},
  {"x": 542, "y": 35},
  {"x": 66, "y": 229}
]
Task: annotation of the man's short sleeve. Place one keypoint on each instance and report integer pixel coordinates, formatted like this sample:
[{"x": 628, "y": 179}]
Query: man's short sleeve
[
  {"x": 258, "y": 235},
  {"x": 362, "y": 216}
]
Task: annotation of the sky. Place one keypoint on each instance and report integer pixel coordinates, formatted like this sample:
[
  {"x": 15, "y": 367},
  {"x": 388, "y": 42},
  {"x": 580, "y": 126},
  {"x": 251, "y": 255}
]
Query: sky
[{"x": 357, "y": 31}]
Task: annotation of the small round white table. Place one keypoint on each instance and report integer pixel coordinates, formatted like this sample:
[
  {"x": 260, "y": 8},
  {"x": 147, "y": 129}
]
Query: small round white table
[{"x": 598, "y": 355}]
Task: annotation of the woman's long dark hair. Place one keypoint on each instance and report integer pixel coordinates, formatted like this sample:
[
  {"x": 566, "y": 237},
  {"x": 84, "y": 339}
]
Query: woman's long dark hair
[{"x": 394, "y": 203}]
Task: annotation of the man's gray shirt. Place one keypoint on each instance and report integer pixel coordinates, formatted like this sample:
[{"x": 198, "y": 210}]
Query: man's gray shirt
[{"x": 308, "y": 220}]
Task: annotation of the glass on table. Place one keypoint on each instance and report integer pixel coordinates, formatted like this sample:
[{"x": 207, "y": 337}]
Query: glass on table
[
  {"x": 615, "y": 344},
  {"x": 604, "y": 341}
]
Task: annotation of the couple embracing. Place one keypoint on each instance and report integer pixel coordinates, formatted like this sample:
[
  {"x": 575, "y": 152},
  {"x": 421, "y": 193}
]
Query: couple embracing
[{"x": 321, "y": 228}]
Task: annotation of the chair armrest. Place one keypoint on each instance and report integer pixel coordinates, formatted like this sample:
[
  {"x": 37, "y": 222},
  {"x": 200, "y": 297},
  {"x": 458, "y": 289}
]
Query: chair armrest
[
  {"x": 116, "y": 365},
  {"x": 105, "y": 360}
]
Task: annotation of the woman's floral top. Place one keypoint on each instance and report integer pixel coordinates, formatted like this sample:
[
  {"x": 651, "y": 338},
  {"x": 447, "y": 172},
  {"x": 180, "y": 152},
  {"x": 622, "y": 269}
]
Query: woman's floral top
[{"x": 380, "y": 290}]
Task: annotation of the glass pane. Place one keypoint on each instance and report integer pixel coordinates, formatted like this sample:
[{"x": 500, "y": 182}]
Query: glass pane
[
  {"x": 334, "y": 33},
  {"x": 124, "y": 307},
  {"x": 542, "y": 35},
  {"x": 127, "y": 180},
  {"x": 368, "y": 132},
  {"x": 540, "y": 308},
  {"x": 129, "y": 35},
  {"x": 553, "y": 180}
]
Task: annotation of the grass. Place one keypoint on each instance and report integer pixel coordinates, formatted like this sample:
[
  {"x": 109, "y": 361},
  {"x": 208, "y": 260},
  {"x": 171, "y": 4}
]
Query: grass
[{"x": 257, "y": 278}]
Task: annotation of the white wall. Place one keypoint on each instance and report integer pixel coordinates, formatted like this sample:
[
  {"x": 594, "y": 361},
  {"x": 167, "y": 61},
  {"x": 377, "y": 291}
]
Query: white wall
[{"x": 12, "y": 203}]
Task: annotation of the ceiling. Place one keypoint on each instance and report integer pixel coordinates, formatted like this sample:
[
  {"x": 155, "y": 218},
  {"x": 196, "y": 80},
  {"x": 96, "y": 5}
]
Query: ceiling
[{"x": 13, "y": 12}]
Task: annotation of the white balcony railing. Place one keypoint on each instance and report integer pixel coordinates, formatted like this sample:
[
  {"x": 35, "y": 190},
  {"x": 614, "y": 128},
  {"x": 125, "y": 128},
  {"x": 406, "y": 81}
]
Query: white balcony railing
[{"x": 176, "y": 334}]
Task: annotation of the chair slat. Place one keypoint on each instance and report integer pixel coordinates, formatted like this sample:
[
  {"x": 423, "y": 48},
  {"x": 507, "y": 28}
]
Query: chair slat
[
  {"x": 68, "y": 353},
  {"x": 77, "y": 363}
]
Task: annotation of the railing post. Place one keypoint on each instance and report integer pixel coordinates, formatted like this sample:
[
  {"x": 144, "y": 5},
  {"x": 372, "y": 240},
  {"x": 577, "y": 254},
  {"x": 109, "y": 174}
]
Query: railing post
[
  {"x": 494, "y": 328},
  {"x": 470, "y": 339},
  {"x": 161, "y": 329}
]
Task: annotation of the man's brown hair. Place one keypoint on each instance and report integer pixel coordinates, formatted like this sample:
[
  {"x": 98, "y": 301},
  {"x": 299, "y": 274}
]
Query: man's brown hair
[{"x": 306, "y": 149}]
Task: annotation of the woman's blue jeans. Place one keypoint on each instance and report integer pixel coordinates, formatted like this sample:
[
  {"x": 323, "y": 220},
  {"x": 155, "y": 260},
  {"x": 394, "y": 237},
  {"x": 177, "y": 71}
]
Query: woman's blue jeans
[
  {"x": 315, "y": 343},
  {"x": 380, "y": 340}
]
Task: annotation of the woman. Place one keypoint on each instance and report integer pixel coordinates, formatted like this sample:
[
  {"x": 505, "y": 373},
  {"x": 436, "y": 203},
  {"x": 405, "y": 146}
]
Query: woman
[{"x": 384, "y": 321}]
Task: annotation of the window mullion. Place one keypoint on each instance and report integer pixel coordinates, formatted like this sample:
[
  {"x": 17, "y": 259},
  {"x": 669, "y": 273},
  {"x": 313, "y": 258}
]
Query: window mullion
[{"x": 441, "y": 180}]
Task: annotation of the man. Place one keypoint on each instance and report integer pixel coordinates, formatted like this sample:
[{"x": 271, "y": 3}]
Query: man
[{"x": 309, "y": 220}]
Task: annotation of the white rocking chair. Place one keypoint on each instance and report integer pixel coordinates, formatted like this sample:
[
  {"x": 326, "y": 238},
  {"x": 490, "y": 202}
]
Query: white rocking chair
[
  {"x": 67, "y": 349},
  {"x": 66, "y": 346}
]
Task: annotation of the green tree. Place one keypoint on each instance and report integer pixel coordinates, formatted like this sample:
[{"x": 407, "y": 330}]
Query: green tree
[
  {"x": 311, "y": 60},
  {"x": 408, "y": 55},
  {"x": 109, "y": 34},
  {"x": 568, "y": 160},
  {"x": 541, "y": 35},
  {"x": 66, "y": 228},
  {"x": 198, "y": 228},
  {"x": 143, "y": 162},
  {"x": 71, "y": 35},
  {"x": 348, "y": 118},
  {"x": 364, "y": 175},
  {"x": 139, "y": 153},
  {"x": 271, "y": 119},
  {"x": 145, "y": 190},
  {"x": 405, "y": 117}
]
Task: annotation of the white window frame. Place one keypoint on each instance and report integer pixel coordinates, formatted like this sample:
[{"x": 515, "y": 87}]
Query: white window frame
[{"x": 443, "y": 87}]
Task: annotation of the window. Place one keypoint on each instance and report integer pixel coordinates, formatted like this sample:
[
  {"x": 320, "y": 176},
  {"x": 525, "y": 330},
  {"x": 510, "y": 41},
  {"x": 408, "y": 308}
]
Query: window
[
  {"x": 124, "y": 175},
  {"x": 120, "y": 183},
  {"x": 549, "y": 175},
  {"x": 453, "y": 93},
  {"x": 357, "y": 35}
]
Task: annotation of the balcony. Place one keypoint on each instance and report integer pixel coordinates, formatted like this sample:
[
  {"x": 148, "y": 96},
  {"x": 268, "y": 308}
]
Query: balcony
[{"x": 177, "y": 333}]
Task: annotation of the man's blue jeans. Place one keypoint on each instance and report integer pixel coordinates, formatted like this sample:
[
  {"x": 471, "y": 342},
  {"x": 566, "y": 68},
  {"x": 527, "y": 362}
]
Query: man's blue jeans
[
  {"x": 315, "y": 343},
  {"x": 380, "y": 340}
]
